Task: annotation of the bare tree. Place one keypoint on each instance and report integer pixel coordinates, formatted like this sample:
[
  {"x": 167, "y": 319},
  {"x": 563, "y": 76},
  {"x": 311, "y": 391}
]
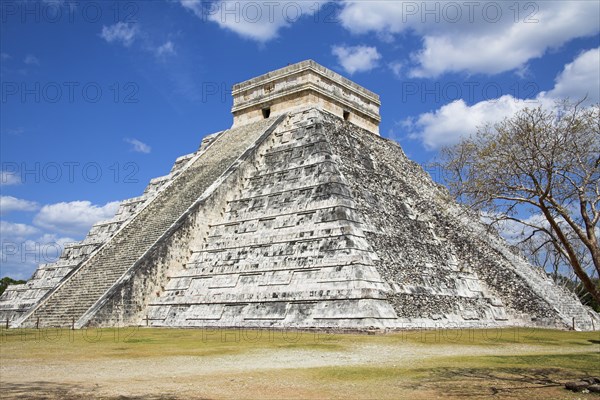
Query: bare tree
[{"x": 538, "y": 163}]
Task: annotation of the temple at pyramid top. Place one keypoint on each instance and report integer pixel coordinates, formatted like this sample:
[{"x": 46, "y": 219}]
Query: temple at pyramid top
[{"x": 305, "y": 84}]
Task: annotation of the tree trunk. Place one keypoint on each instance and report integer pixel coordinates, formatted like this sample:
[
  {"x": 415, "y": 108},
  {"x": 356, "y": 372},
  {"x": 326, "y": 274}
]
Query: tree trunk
[{"x": 573, "y": 260}]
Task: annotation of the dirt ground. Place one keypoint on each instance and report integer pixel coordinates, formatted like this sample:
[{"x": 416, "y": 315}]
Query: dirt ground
[{"x": 195, "y": 364}]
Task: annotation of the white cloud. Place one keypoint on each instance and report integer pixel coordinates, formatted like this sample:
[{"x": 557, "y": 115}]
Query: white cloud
[
  {"x": 166, "y": 49},
  {"x": 356, "y": 58},
  {"x": 15, "y": 131},
  {"x": 128, "y": 33},
  {"x": 396, "y": 68},
  {"x": 13, "y": 230},
  {"x": 10, "y": 203},
  {"x": 8, "y": 178},
  {"x": 474, "y": 37},
  {"x": 512, "y": 231},
  {"x": 580, "y": 77},
  {"x": 259, "y": 21},
  {"x": 138, "y": 146},
  {"x": 455, "y": 120},
  {"x": 448, "y": 124},
  {"x": 5, "y": 56},
  {"x": 25, "y": 246},
  {"x": 30, "y": 59},
  {"x": 20, "y": 256},
  {"x": 122, "y": 32},
  {"x": 73, "y": 218}
]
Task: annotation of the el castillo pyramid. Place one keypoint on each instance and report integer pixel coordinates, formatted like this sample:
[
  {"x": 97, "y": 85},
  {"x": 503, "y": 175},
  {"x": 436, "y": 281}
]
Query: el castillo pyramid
[{"x": 298, "y": 216}]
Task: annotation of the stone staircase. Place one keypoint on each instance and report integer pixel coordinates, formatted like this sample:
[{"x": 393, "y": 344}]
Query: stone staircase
[
  {"x": 18, "y": 300},
  {"x": 573, "y": 314},
  {"x": 135, "y": 240},
  {"x": 287, "y": 251}
]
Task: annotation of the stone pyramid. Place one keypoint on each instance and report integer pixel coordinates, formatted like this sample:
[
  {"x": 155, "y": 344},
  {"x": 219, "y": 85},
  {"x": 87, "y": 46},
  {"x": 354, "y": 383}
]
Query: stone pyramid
[{"x": 299, "y": 216}]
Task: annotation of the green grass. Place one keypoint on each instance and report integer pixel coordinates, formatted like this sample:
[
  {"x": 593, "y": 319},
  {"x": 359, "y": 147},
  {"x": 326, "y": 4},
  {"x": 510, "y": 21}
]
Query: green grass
[
  {"x": 440, "y": 367},
  {"x": 519, "y": 376},
  {"x": 184, "y": 340},
  {"x": 517, "y": 363},
  {"x": 149, "y": 342}
]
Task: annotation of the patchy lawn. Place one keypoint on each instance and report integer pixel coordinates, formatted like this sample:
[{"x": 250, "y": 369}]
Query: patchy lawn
[{"x": 131, "y": 363}]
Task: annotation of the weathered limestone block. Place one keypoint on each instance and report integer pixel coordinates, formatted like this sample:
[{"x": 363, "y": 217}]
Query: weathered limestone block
[{"x": 300, "y": 85}]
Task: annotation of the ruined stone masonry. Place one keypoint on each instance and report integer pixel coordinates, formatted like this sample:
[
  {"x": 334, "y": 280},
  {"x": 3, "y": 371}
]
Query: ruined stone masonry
[{"x": 299, "y": 216}]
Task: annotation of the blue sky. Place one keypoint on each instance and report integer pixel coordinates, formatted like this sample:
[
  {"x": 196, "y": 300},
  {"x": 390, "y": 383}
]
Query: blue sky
[{"x": 98, "y": 97}]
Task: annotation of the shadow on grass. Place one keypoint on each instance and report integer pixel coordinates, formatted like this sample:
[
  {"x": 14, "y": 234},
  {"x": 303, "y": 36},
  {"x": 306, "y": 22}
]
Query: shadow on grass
[
  {"x": 64, "y": 391},
  {"x": 42, "y": 390},
  {"x": 466, "y": 382}
]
